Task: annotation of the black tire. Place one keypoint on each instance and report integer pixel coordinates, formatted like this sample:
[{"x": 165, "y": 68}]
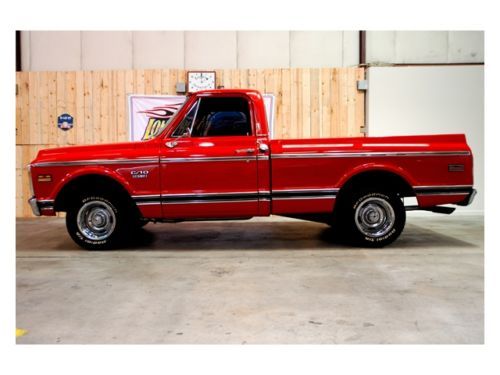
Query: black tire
[
  {"x": 98, "y": 222},
  {"x": 370, "y": 218},
  {"x": 142, "y": 223}
]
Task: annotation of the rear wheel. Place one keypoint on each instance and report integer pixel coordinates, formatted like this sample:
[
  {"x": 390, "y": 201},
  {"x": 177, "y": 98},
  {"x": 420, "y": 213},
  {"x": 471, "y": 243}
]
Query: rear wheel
[
  {"x": 97, "y": 222},
  {"x": 371, "y": 219},
  {"x": 141, "y": 223}
]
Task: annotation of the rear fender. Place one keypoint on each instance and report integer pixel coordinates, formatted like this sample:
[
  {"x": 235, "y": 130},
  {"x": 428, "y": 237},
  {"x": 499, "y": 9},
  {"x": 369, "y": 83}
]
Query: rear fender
[{"x": 374, "y": 167}]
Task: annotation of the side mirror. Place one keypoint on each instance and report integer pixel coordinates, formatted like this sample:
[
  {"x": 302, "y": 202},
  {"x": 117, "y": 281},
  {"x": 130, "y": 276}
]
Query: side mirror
[{"x": 172, "y": 144}]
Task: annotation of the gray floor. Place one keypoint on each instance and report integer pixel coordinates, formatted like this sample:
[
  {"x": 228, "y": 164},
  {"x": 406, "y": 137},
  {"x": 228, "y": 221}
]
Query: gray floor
[{"x": 261, "y": 281}]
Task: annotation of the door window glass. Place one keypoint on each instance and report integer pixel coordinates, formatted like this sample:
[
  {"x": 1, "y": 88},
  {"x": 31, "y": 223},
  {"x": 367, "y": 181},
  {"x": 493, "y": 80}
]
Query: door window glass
[
  {"x": 185, "y": 125},
  {"x": 222, "y": 117}
]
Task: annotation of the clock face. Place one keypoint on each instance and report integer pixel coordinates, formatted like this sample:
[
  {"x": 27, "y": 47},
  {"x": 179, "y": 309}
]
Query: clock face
[{"x": 201, "y": 81}]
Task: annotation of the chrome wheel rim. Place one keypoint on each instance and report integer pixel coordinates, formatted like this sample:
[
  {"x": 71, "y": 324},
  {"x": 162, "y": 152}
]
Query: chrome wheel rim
[
  {"x": 374, "y": 217},
  {"x": 96, "y": 220}
]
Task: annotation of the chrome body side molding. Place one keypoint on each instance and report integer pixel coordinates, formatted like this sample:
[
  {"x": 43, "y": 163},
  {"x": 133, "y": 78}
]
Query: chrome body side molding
[
  {"x": 95, "y": 162},
  {"x": 313, "y": 155}
]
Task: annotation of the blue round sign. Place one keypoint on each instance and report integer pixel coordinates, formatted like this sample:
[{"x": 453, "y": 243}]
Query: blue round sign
[{"x": 65, "y": 122}]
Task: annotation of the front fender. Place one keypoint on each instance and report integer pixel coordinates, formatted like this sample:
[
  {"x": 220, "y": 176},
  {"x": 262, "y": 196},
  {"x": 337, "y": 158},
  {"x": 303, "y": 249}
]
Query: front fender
[{"x": 91, "y": 170}]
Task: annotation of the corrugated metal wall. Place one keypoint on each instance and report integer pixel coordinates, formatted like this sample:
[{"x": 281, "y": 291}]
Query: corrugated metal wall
[{"x": 100, "y": 50}]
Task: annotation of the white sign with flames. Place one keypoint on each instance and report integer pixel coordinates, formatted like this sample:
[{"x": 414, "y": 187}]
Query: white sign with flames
[{"x": 149, "y": 114}]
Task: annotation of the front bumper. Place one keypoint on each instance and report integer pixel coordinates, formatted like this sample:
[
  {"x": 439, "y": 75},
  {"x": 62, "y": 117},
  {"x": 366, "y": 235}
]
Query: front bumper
[
  {"x": 34, "y": 206},
  {"x": 469, "y": 199},
  {"x": 41, "y": 207}
]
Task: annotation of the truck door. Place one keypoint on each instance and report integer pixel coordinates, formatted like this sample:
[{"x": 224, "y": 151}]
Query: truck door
[{"x": 209, "y": 163}]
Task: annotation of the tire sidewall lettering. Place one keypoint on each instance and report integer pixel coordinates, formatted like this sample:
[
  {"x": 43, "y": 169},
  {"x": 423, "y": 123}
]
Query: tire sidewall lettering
[
  {"x": 96, "y": 198},
  {"x": 86, "y": 240},
  {"x": 380, "y": 239},
  {"x": 370, "y": 195}
]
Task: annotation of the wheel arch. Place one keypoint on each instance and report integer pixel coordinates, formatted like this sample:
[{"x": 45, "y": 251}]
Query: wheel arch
[
  {"x": 86, "y": 180},
  {"x": 384, "y": 177}
]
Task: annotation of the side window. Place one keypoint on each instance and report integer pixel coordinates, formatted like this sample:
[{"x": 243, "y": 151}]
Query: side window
[
  {"x": 185, "y": 125},
  {"x": 222, "y": 117}
]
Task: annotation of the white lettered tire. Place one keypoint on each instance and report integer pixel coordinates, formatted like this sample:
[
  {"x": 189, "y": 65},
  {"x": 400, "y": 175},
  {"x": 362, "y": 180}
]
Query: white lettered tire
[
  {"x": 373, "y": 219},
  {"x": 96, "y": 222}
]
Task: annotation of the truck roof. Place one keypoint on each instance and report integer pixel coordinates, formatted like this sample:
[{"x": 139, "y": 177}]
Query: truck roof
[{"x": 227, "y": 91}]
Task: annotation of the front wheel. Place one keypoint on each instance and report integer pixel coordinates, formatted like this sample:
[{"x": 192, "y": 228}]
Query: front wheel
[
  {"x": 373, "y": 219},
  {"x": 96, "y": 222}
]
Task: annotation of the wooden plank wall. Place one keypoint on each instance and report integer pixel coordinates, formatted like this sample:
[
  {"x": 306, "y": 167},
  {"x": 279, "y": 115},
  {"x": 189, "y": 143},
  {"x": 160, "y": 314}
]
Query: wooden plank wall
[{"x": 309, "y": 103}]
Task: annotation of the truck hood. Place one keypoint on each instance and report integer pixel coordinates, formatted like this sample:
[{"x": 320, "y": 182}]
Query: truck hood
[{"x": 93, "y": 152}]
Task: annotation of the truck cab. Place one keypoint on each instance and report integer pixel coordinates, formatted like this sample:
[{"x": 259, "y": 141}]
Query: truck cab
[{"x": 214, "y": 158}]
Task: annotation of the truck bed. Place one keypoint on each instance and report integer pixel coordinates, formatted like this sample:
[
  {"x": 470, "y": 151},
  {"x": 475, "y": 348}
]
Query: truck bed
[{"x": 437, "y": 167}]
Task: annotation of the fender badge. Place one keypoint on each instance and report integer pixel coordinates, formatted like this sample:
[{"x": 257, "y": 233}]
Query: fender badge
[{"x": 139, "y": 174}]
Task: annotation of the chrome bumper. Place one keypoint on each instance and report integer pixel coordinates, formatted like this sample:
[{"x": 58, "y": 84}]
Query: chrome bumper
[
  {"x": 45, "y": 205},
  {"x": 34, "y": 206},
  {"x": 469, "y": 199}
]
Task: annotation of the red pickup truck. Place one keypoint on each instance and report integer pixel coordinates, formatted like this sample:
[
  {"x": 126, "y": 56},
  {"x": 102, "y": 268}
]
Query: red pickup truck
[{"x": 215, "y": 160}]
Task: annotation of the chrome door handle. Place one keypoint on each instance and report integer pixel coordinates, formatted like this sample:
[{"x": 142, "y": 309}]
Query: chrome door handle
[
  {"x": 245, "y": 151},
  {"x": 263, "y": 147},
  {"x": 171, "y": 144}
]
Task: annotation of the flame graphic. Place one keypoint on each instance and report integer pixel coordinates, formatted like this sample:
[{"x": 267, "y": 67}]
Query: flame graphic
[{"x": 162, "y": 112}]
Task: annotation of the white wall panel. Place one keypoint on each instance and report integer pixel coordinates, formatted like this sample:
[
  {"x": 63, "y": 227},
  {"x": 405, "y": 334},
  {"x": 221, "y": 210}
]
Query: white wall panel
[
  {"x": 316, "y": 49},
  {"x": 263, "y": 49},
  {"x": 430, "y": 100},
  {"x": 350, "y": 48},
  {"x": 25, "y": 50},
  {"x": 106, "y": 50},
  {"x": 466, "y": 46},
  {"x": 158, "y": 49},
  {"x": 210, "y": 49},
  {"x": 55, "y": 50},
  {"x": 380, "y": 47},
  {"x": 424, "y": 47},
  {"x": 418, "y": 47},
  {"x": 73, "y": 50}
]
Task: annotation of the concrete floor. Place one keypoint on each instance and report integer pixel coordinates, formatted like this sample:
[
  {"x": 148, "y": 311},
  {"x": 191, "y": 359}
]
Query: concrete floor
[{"x": 262, "y": 281}]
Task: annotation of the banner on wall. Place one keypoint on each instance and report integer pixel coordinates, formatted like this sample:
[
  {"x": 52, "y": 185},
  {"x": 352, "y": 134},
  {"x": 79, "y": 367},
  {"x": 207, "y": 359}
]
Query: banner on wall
[{"x": 149, "y": 114}]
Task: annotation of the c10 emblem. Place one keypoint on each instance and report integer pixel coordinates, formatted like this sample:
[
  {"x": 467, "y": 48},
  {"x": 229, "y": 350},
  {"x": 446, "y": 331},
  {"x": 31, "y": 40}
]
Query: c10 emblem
[{"x": 139, "y": 174}]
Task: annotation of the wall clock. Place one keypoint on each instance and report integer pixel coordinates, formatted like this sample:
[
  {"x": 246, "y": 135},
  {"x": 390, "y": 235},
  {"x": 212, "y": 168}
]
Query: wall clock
[{"x": 198, "y": 80}]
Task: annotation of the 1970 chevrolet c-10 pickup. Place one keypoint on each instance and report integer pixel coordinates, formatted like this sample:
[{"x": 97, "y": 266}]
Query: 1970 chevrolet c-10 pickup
[{"x": 215, "y": 160}]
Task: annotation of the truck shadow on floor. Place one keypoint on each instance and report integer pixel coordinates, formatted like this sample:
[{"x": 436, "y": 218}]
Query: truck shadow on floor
[
  {"x": 262, "y": 236},
  {"x": 273, "y": 236}
]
